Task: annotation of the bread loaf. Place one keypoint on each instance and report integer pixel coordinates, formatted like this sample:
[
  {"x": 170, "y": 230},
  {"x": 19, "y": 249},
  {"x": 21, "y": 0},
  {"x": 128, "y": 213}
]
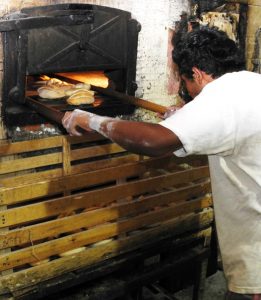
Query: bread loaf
[
  {"x": 75, "y": 90},
  {"x": 80, "y": 97},
  {"x": 83, "y": 85},
  {"x": 48, "y": 92},
  {"x": 79, "y": 93}
]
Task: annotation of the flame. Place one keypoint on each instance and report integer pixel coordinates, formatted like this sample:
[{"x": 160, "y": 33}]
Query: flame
[{"x": 96, "y": 78}]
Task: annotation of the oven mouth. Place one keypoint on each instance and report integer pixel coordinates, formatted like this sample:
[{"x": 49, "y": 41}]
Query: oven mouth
[
  {"x": 56, "y": 90},
  {"x": 50, "y": 96}
]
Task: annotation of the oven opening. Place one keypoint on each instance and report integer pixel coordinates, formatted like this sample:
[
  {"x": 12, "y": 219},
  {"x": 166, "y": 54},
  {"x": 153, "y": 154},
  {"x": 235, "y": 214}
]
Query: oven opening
[{"x": 67, "y": 91}]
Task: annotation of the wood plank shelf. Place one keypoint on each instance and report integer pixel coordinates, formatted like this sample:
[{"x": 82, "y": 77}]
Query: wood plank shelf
[{"x": 71, "y": 204}]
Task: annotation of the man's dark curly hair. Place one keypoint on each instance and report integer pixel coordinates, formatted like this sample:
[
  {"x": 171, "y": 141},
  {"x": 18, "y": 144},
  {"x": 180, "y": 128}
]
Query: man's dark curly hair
[{"x": 208, "y": 49}]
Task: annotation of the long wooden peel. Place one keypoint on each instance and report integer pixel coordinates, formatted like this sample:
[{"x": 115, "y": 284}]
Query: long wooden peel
[
  {"x": 57, "y": 116},
  {"x": 109, "y": 91},
  {"x": 131, "y": 99},
  {"x": 44, "y": 110}
]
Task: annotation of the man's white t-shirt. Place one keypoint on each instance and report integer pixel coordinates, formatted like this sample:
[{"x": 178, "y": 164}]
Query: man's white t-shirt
[{"x": 224, "y": 122}]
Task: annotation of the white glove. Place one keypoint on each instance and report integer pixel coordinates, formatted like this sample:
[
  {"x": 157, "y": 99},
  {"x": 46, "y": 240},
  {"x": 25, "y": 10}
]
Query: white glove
[{"x": 76, "y": 119}]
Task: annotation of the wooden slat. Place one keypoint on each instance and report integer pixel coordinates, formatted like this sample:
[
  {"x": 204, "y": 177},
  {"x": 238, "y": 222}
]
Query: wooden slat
[
  {"x": 30, "y": 162},
  {"x": 88, "y": 257},
  {"x": 96, "y": 234},
  {"x": 57, "y": 185},
  {"x": 32, "y": 145},
  {"x": 194, "y": 254},
  {"x": 20, "y": 164},
  {"x": 32, "y": 178},
  {"x": 191, "y": 159},
  {"x": 52, "y": 142},
  {"x": 96, "y": 151},
  {"x": 105, "y": 163},
  {"x": 66, "y": 154},
  {"x": 47, "y": 249},
  {"x": 9, "y": 148},
  {"x": 110, "y": 194},
  {"x": 22, "y": 193},
  {"x": 52, "y": 228},
  {"x": 6, "y": 250}
]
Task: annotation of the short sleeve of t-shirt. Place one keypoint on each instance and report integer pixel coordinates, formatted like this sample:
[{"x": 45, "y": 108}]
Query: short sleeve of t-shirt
[{"x": 206, "y": 125}]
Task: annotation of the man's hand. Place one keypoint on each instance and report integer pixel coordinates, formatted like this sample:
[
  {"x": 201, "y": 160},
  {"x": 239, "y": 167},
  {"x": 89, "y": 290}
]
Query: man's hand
[
  {"x": 171, "y": 110},
  {"x": 76, "y": 119}
]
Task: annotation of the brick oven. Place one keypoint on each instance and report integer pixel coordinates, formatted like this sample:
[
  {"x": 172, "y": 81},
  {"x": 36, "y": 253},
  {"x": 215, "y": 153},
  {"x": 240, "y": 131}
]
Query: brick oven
[
  {"x": 82, "y": 210},
  {"x": 66, "y": 38}
]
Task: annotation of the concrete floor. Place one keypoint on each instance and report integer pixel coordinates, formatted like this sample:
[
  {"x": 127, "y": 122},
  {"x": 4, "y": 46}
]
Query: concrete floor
[{"x": 215, "y": 290}]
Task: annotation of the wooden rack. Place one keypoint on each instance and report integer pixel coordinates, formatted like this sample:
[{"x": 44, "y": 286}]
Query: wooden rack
[{"x": 89, "y": 196}]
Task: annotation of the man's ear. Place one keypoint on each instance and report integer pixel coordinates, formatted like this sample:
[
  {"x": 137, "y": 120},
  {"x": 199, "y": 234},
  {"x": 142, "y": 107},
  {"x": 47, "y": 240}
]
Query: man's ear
[{"x": 197, "y": 75}]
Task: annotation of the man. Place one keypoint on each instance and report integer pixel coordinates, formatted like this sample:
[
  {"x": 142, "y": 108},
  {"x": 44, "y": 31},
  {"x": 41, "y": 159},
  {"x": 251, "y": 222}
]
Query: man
[{"x": 224, "y": 122}]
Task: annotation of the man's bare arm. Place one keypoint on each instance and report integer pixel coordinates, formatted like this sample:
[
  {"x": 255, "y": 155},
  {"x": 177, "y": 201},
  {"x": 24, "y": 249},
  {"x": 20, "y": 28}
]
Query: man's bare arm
[{"x": 138, "y": 137}]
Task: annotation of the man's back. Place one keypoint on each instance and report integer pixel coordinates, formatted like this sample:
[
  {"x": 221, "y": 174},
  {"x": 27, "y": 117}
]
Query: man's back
[{"x": 224, "y": 121}]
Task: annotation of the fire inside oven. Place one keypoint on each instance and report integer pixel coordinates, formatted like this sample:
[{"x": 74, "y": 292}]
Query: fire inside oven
[{"x": 63, "y": 46}]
